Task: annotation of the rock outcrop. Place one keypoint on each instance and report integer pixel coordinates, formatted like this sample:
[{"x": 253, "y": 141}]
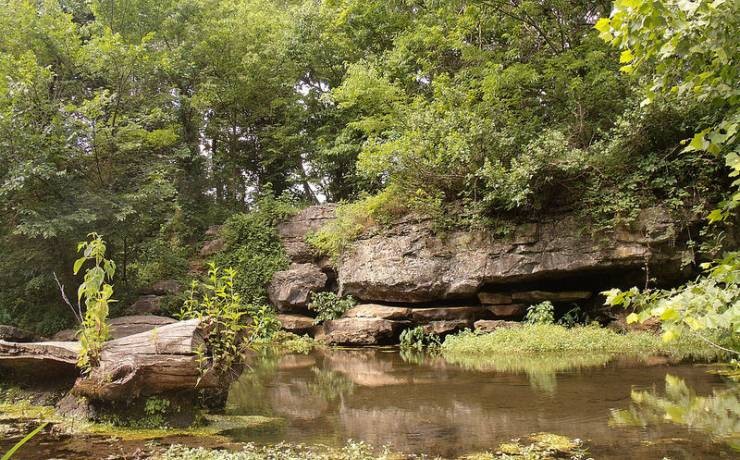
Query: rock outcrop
[
  {"x": 16, "y": 334},
  {"x": 407, "y": 263},
  {"x": 290, "y": 290},
  {"x": 293, "y": 232},
  {"x": 124, "y": 326},
  {"x": 146, "y": 305},
  {"x": 297, "y": 324},
  {"x": 362, "y": 331}
]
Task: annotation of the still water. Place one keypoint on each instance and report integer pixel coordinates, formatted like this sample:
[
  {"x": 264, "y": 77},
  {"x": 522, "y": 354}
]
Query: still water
[{"x": 621, "y": 408}]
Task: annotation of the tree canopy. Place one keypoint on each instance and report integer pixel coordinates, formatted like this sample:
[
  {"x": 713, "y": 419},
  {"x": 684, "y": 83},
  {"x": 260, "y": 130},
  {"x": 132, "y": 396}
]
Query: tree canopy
[{"x": 149, "y": 120}]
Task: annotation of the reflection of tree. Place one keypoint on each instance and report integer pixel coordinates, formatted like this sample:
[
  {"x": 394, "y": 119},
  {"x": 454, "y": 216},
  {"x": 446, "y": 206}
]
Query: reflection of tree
[
  {"x": 330, "y": 385},
  {"x": 248, "y": 395},
  {"x": 717, "y": 415},
  {"x": 541, "y": 369}
]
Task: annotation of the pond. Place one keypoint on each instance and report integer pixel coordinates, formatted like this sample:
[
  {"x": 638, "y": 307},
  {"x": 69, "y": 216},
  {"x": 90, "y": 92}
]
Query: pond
[{"x": 450, "y": 406}]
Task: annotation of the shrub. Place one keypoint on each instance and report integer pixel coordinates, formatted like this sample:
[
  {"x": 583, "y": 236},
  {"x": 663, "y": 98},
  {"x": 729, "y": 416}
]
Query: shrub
[
  {"x": 417, "y": 340},
  {"x": 220, "y": 307},
  {"x": 542, "y": 313},
  {"x": 97, "y": 295},
  {"x": 707, "y": 307},
  {"x": 253, "y": 245},
  {"x": 329, "y": 305}
]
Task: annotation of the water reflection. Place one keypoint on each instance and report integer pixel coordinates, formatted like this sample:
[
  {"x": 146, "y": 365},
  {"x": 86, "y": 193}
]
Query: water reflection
[
  {"x": 447, "y": 406},
  {"x": 717, "y": 415}
]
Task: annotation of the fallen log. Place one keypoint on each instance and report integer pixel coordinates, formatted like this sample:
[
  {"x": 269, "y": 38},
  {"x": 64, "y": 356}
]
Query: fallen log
[
  {"x": 165, "y": 359},
  {"x": 39, "y": 358}
]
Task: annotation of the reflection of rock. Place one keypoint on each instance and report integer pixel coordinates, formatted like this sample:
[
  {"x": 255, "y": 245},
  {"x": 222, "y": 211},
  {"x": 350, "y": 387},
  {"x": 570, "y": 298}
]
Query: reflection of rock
[
  {"x": 361, "y": 331},
  {"x": 290, "y": 290},
  {"x": 296, "y": 401},
  {"x": 365, "y": 368},
  {"x": 294, "y": 361}
]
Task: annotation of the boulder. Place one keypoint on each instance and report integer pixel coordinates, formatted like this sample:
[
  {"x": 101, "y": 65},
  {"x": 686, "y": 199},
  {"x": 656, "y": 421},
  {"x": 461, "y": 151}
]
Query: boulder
[
  {"x": 213, "y": 231},
  {"x": 146, "y": 304},
  {"x": 212, "y": 247},
  {"x": 443, "y": 328},
  {"x": 490, "y": 325},
  {"x": 294, "y": 230},
  {"x": 165, "y": 287},
  {"x": 290, "y": 290},
  {"x": 297, "y": 324},
  {"x": 494, "y": 298},
  {"x": 129, "y": 325},
  {"x": 371, "y": 310},
  {"x": 541, "y": 296},
  {"x": 361, "y": 331},
  {"x": 407, "y": 263},
  {"x": 426, "y": 315},
  {"x": 15, "y": 334},
  {"x": 514, "y": 310},
  {"x": 65, "y": 335}
]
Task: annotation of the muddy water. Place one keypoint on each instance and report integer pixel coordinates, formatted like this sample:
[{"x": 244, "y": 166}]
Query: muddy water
[{"x": 454, "y": 407}]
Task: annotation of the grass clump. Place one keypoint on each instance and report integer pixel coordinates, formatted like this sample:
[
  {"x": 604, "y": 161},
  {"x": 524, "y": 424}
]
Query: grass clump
[
  {"x": 545, "y": 338},
  {"x": 286, "y": 342}
]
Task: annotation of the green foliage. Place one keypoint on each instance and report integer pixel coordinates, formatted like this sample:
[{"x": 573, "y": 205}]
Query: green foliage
[
  {"x": 220, "y": 308},
  {"x": 415, "y": 339},
  {"x": 354, "y": 218},
  {"x": 329, "y": 306},
  {"x": 97, "y": 295},
  {"x": 706, "y": 308},
  {"x": 542, "y": 313},
  {"x": 253, "y": 245},
  {"x": 687, "y": 51},
  {"x": 543, "y": 338}
]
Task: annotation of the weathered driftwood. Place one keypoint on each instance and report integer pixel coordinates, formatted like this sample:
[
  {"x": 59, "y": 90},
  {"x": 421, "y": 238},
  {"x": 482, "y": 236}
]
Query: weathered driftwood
[
  {"x": 124, "y": 326},
  {"x": 41, "y": 358},
  {"x": 162, "y": 360}
]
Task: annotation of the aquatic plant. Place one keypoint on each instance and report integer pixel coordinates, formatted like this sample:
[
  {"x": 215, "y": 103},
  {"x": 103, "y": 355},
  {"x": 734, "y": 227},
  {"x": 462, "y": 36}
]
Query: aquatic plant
[{"x": 351, "y": 451}]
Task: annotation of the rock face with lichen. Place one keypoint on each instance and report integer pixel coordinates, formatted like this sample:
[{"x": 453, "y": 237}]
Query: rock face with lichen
[
  {"x": 408, "y": 263},
  {"x": 405, "y": 275}
]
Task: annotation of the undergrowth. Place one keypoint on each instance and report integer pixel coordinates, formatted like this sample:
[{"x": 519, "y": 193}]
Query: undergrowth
[{"x": 540, "y": 338}]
